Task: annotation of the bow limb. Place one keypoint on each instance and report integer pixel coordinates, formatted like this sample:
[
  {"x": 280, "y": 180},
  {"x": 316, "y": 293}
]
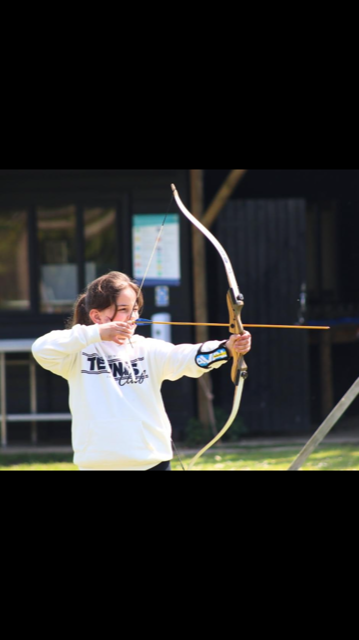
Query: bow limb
[
  {"x": 235, "y": 408},
  {"x": 235, "y": 305}
]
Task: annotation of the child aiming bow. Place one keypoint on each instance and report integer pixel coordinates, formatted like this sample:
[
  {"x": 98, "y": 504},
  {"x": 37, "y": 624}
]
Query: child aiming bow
[{"x": 119, "y": 421}]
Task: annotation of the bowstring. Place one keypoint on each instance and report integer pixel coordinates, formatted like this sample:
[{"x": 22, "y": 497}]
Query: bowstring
[
  {"x": 151, "y": 258},
  {"x": 177, "y": 454},
  {"x": 154, "y": 248},
  {"x": 143, "y": 282}
]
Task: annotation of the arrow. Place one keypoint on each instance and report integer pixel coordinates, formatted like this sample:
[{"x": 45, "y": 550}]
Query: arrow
[{"x": 144, "y": 322}]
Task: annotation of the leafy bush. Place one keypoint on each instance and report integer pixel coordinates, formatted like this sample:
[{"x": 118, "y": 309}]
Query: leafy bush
[{"x": 197, "y": 434}]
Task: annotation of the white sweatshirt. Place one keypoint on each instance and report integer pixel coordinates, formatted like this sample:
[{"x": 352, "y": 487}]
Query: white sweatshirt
[{"x": 118, "y": 417}]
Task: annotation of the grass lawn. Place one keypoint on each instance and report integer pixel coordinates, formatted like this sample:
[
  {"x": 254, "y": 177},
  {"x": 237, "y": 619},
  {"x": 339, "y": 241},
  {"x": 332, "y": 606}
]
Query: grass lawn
[{"x": 328, "y": 457}]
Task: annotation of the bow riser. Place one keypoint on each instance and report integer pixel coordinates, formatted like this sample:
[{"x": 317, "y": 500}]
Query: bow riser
[{"x": 239, "y": 367}]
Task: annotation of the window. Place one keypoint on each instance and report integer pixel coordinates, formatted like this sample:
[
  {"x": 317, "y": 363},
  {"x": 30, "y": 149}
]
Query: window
[
  {"x": 14, "y": 261},
  {"x": 48, "y": 254},
  {"x": 100, "y": 241},
  {"x": 56, "y": 229}
]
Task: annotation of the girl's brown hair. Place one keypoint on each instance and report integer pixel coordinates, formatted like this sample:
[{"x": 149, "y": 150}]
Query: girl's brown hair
[{"x": 101, "y": 294}]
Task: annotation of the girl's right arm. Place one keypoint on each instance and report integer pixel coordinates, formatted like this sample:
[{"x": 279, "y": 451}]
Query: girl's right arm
[{"x": 57, "y": 350}]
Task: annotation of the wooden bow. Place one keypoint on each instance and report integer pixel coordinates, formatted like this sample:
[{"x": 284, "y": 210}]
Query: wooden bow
[{"x": 235, "y": 303}]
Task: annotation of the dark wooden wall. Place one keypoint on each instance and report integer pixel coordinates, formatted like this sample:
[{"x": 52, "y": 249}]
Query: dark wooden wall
[{"x": 265, "y": 240}]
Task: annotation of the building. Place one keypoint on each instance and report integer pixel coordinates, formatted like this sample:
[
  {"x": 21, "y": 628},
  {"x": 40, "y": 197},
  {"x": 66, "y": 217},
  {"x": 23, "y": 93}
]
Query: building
[{"x": 292, "y": 236}]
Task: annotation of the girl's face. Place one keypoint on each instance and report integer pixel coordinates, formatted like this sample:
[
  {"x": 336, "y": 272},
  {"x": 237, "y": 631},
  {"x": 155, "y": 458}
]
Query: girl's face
[{"x": 126, "y": 309}]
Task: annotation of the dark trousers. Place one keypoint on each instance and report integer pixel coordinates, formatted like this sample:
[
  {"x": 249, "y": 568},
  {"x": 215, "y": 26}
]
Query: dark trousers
[{"x": 163, "y": 466}]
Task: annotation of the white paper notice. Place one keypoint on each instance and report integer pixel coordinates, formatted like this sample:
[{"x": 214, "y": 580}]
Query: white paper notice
[{"x": 165, "y": 267}]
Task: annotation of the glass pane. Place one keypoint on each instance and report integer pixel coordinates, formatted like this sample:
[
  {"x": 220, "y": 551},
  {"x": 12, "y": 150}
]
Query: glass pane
[
  {"x": 58, "y": 262},
  {"x": 14, "y": 261},
  {"x": 100, "y": 241}
]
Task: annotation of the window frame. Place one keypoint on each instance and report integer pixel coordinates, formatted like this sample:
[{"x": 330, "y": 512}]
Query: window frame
[{"x": 121, "y": 204}]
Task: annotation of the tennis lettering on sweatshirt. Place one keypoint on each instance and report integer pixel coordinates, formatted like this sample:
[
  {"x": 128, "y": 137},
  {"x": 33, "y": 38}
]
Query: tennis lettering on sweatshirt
[{"x": 124, "y": 373}]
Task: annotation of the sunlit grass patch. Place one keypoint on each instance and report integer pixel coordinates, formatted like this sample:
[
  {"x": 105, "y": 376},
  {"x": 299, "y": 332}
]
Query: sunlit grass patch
[
  {"x": 37, "y": 462},
  {"x": 328, "y": 457},
  {"x": 325, "y": 458}
]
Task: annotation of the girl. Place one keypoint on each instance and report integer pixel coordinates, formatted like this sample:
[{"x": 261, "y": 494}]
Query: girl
[{"x": 115, "y": 377}]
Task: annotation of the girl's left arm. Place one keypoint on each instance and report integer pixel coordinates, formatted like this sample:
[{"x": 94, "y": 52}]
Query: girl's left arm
[{"x": 195, "y": 360}]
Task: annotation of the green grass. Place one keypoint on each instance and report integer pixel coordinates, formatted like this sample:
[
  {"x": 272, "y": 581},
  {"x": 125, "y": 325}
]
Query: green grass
[
  {"x": 36, "y": 462},
  {"x": 328, "y": 457},
  {"x": 325, "y": 458}
]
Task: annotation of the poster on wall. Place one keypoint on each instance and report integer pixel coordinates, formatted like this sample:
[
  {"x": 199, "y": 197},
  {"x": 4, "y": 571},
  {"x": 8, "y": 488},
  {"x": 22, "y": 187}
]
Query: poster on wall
[{"x": 165, "y": 268}]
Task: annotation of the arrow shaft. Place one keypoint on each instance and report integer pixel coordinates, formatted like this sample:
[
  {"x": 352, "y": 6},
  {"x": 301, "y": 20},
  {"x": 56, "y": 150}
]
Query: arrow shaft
[{"x": 217, "y": 324}]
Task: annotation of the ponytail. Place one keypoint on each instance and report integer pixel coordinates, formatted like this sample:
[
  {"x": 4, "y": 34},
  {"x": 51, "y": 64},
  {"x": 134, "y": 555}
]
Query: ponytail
[{"x": 80, "y": 313}]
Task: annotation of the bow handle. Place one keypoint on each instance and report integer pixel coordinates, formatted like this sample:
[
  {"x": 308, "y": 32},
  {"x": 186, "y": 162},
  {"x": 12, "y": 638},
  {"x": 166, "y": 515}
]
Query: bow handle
[{"x": 235, "y": 306}]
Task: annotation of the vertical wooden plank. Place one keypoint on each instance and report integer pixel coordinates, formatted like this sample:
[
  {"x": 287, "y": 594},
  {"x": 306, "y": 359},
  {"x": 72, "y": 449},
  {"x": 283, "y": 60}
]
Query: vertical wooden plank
[
  {"x": 34, "y": 267},
  {"x": 279, "y": 395},
  {"x": 33, "y": 397},
  {"x": 326, "y": 373},
  {"x": 272, "y": 312},
  {"x": 123, "y": 233},
  {"x": 3, "y": 399},
  {"x": 261, "y": 297},
  {"x": 80, "y": 249},
  {"x": 204, "y": 385}
]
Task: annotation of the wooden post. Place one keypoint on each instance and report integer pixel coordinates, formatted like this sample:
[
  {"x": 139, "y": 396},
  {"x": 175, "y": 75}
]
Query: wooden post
[
  {"x": 205, "y": 397},
  {"x": 3, "y": 399},
  {"x": 33, "y": 397},
  {"x": 327, "y": 425},
  {"x": 204, "y": 388},
  {"x": 199, "y": 256},
  {"x": 222, "y": 196},
  {"x": 326, "y": 373}
]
